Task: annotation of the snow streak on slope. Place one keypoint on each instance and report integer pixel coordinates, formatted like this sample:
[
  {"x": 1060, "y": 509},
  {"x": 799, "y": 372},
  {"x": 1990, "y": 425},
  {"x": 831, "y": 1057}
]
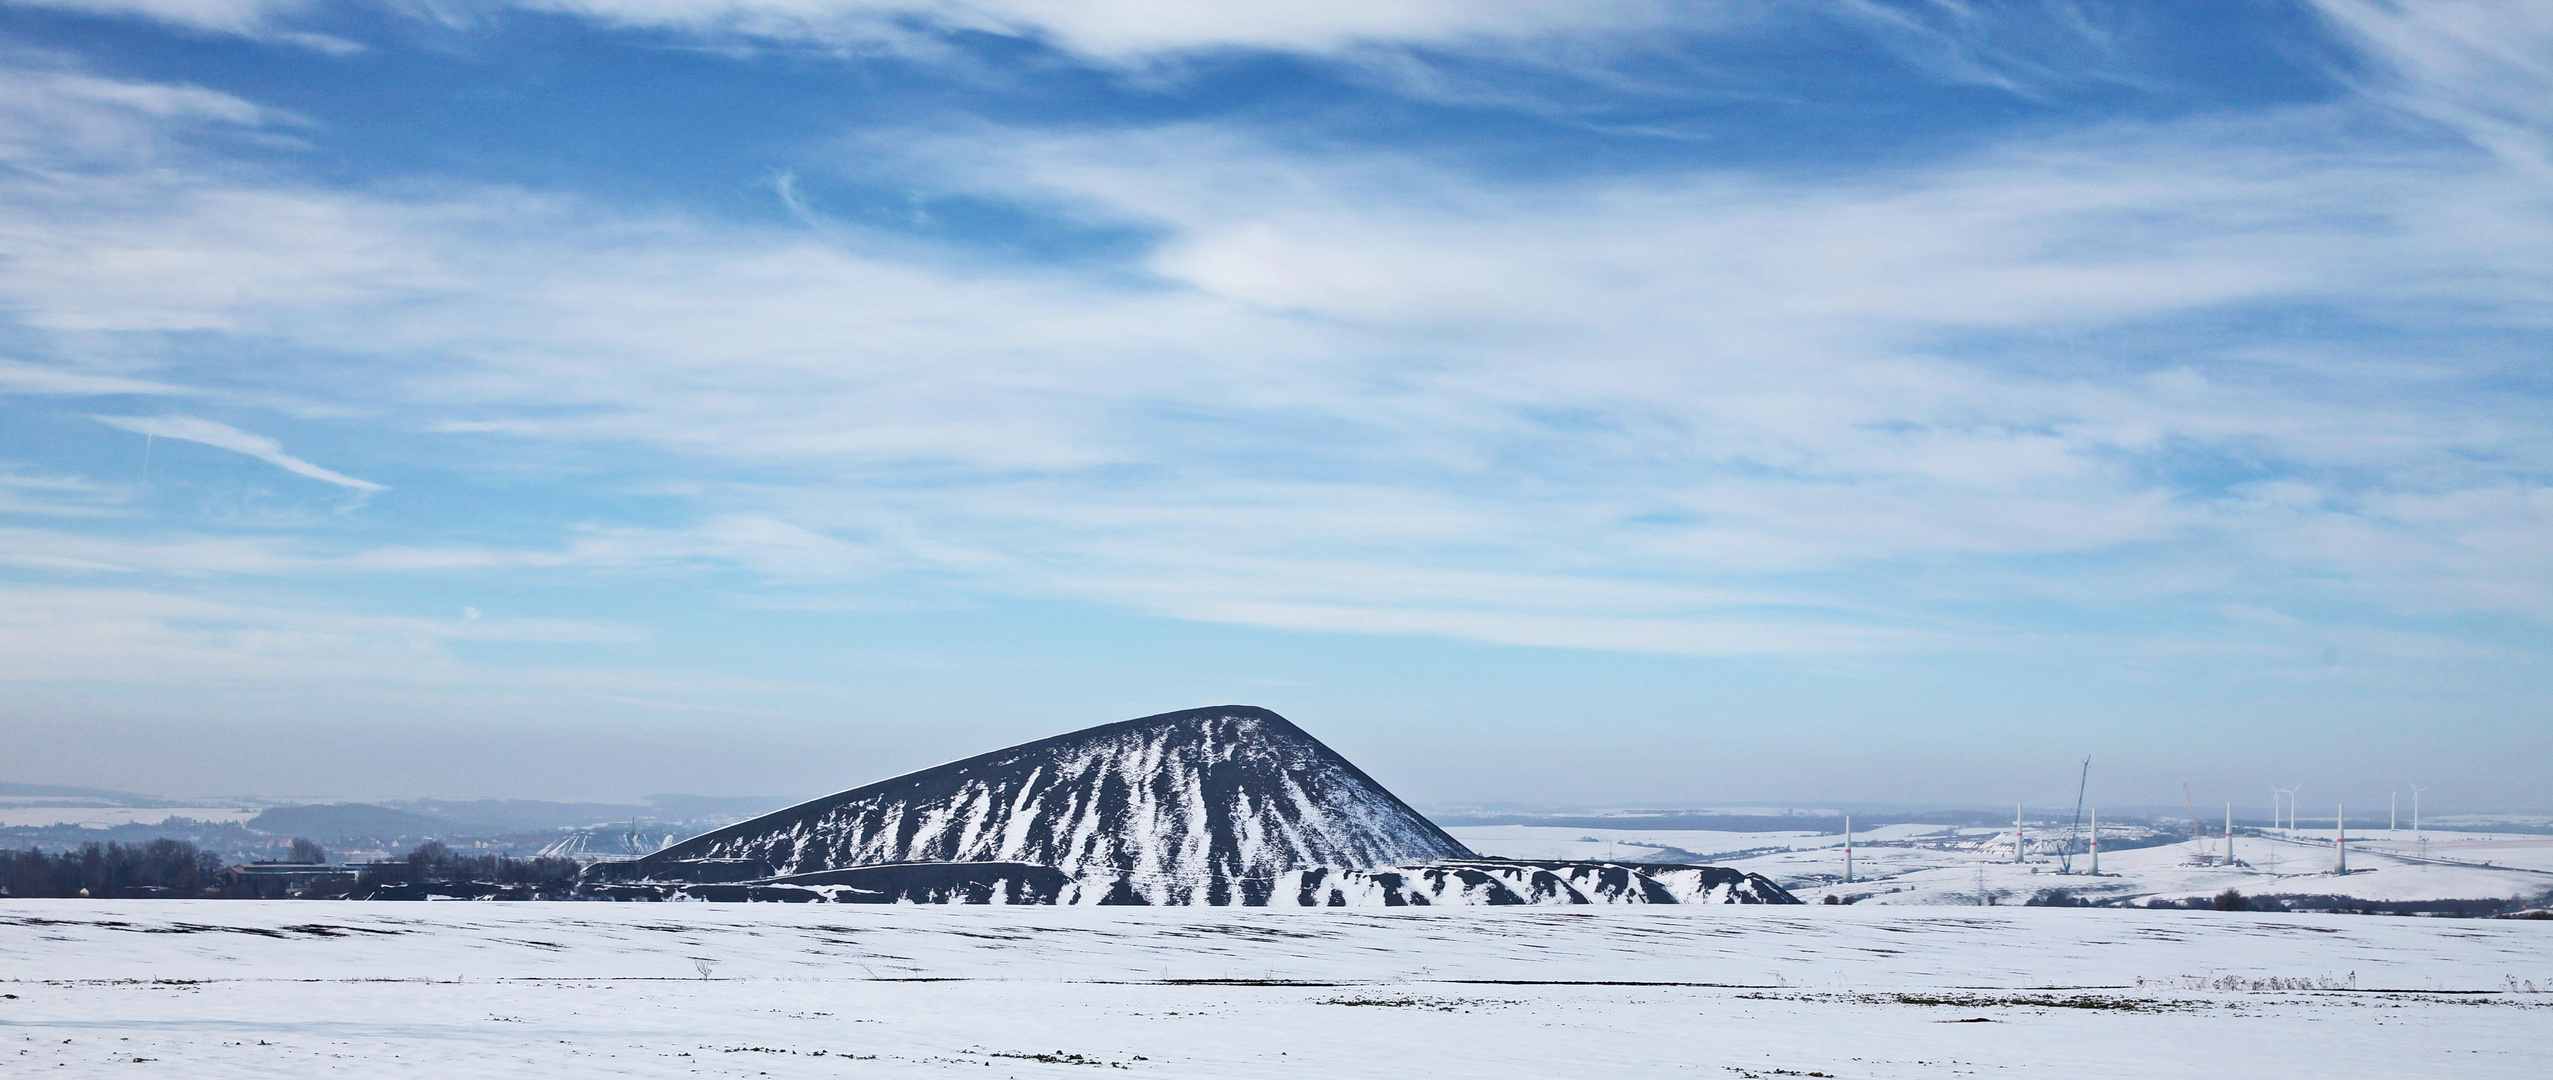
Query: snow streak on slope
[{"x": 1207, "y": 806}]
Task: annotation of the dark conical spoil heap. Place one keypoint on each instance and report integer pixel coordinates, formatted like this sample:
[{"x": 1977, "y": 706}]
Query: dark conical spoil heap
[
  {"x": 1205, "y": 806},
  {"x": 1228, "y": 805}
]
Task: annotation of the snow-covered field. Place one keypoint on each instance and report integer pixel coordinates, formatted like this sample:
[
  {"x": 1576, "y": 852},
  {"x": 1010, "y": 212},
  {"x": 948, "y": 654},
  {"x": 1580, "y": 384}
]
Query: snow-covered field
[
  {"x": 2267, "y": 867},
  {"x": 2528, "y": 851},
  {"x": 246, "y": 988},
  {"x": 1919, "y": 864}
]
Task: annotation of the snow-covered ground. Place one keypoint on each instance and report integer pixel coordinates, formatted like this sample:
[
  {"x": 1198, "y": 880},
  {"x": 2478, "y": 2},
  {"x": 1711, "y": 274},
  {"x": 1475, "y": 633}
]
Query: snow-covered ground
[
  {"x": 1921, "y": 864},
  {"x": 2265, "y": 867},
  {"x": 267, "y": 989},
  {"x": 2524, "y": 850}
]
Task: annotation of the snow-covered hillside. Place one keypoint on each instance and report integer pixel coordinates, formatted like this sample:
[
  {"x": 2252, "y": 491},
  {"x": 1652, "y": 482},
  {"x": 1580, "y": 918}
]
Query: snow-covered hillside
[
  {"x": 216, "y": 989},
  {"x": 1204, "y": 806}
]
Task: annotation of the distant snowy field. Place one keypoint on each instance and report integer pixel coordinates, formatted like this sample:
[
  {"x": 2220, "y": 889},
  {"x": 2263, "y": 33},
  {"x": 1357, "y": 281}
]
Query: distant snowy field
[
  {"x": 2524, "y": 850},
  {"x": 264, "y": 989},
  {"x": 1920, "y": 864}
]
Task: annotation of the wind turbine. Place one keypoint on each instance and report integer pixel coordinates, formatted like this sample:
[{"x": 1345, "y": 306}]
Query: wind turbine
[
  {"x": 2018, "y": 852},
  {"x": 2065, "y": 854},
  {"x": 2229, "y": 834}
]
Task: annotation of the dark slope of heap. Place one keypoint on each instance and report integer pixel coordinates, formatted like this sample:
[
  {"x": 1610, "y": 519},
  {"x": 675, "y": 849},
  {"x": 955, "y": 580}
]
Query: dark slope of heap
[
  {"x": 1204, "y": 806},
  {"x": 1226, "y": 805}
]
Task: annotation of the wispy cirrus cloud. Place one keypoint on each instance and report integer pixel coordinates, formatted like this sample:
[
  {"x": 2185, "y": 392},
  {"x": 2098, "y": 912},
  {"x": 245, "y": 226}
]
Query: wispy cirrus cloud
[
  {"x": 59, "y": 123},
  {"x": 263, "y": 20},
  {"x": 1124, "y": 30},
  {"x": 55, "y": 495},
  {"x": 1112, "y": 31},
  {"x": 52, "y": 633},
  {"x": 2481, "y": 68},
  {"x": 214, "y": 434},
  {"x": 17, "y": 377},
  {"x": 2019, "y": 48}
]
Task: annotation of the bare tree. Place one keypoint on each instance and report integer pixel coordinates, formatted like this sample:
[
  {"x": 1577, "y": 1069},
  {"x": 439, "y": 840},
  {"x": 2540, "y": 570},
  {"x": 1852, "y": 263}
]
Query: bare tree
[{"x": 431, "y": 859}]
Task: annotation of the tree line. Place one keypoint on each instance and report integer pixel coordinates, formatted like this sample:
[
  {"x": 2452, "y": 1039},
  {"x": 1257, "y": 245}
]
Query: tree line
[
  {"x": 434, "y": 861},
  {"x": 168, "y": 867},
  {"x": 176, "y": 868}
]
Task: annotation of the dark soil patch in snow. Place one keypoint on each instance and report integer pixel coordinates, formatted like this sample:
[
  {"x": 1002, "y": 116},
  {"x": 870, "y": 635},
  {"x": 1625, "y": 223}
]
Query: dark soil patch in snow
[
  {"x": 1060, "y": 1057},
  {"x": 2036, "y": 1001},
  {"x": 778, "y": 1050},
  {"x": 1990, "y": 1001},
  {"x": 1437, "y": 1004}
]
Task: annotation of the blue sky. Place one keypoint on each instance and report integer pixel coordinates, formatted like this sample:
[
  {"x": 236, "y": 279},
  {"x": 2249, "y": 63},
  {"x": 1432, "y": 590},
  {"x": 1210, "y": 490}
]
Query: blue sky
[{"x": 1606, "y": 403}]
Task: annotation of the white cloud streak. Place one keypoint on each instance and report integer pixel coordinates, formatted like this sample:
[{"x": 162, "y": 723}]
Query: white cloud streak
[
  {"x": 54, "y": 495},
  {"x": 1123, "y": 31},
  {"x": 198, "y": 430},
  {"x": 261, "y": 20},
  {"x": 62, "y": 122},
  {"x": 23, "y": 378},
  {"x": 54, "y": 633}
]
